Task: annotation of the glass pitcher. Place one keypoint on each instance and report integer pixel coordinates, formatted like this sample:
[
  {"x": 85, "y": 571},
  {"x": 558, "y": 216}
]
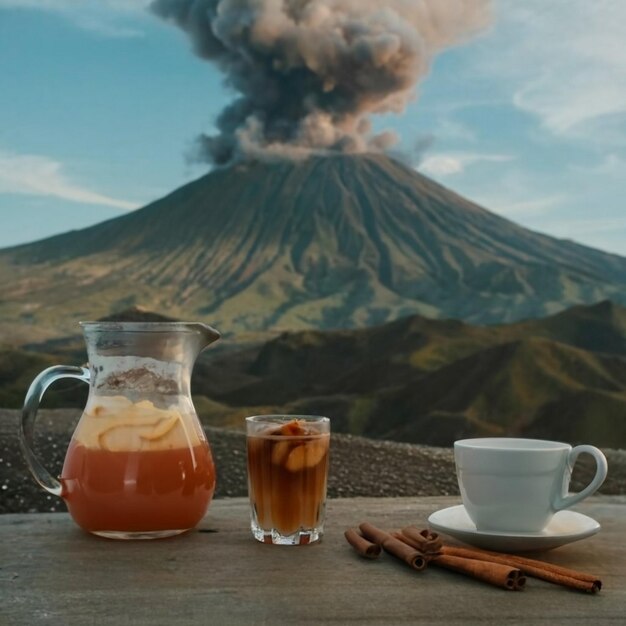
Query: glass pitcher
[{"x": 138, "y": 465}]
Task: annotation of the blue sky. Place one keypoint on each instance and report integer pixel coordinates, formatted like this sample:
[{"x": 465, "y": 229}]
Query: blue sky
[{"x": 100, "y": 101}]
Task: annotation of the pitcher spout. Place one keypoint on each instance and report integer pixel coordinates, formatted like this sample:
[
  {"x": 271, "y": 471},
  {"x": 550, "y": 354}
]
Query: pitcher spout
[{"x": 207, "y": 334}]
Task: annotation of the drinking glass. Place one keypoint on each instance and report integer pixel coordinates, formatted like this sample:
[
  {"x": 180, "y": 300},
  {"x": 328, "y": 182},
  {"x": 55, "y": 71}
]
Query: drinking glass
[{"x": 287, "y": 475}]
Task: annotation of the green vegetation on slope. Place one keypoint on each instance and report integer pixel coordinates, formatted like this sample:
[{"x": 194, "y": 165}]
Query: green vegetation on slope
[
  {"x": 328, "y": 242},
  {"x": 415, "y": 379}
]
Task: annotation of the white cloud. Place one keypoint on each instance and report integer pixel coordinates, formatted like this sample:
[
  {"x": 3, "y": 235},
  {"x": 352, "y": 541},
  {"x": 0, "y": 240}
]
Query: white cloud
[
  {"x": 447, "y": 164},
  {"x": 577, "y": 227},
  {"x": 522, "y": 206},
  {"x": 607, "y": 234},
  {"x": 451, "y": 129},
  {"x": 612, "y": 166},
  {"x": 117, "y": 6},
  {"x": 37, "y": 175},
  {"x": 106, "y": 17},
  {"x": 565, "y": 61},
  {"x": 515, "y": 194}
]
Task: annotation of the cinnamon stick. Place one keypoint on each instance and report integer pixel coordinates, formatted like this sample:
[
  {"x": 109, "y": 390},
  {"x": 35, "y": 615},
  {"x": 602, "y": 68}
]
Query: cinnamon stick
[
  {"x": 496, "y": 574},
  {"x": 394, "y": 546},
  {"x": 531, "y": 567},
  {"x": 424, "y": 540},
  {"x": 426, "y": 552},
  {"x": 418, "y": 547},
  {"x": 365, "y": 548}
]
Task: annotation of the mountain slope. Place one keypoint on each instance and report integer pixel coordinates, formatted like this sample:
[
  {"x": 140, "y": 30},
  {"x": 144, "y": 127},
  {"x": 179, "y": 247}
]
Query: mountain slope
[
  {"x": 337, "y": 241},
  {"x": 530, "y": 387},
  {"x": 432, "y": 381},
  {"x": 415, "y": 379},
  {"x": 311, "y": 363}
]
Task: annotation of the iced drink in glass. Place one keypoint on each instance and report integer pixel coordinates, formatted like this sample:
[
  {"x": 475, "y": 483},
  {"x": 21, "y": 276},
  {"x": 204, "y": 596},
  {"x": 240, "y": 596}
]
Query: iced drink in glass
[{"x": 287, "y": 475}]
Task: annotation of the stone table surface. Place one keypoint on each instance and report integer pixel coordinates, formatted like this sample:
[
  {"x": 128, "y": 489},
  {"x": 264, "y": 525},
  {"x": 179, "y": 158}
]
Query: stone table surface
[{"x": 53, "y": 573}]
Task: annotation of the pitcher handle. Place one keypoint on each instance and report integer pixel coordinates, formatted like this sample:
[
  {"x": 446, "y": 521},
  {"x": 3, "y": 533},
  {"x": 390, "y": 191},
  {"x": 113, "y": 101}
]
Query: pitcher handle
[
  {"x": 29, "y": 413},
  {"x": 565, "y": 501}
]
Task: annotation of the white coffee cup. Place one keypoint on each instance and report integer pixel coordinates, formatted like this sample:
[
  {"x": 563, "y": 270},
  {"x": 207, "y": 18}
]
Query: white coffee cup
[{"x": 517, "y": 485}]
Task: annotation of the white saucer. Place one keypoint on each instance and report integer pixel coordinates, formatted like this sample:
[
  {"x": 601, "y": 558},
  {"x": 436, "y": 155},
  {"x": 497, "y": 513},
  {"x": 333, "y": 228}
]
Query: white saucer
[{"x": 565, "y": 527}]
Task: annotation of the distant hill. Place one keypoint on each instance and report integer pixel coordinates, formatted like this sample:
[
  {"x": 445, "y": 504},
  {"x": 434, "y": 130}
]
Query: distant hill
[
  {"x": 328, "y": 242},
  {"x": 530, "y": 387},
  {"x": 415, "y": 379}
]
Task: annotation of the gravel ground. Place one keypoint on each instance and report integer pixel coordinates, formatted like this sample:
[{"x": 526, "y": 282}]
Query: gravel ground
[{"x": 359, "y": 467}]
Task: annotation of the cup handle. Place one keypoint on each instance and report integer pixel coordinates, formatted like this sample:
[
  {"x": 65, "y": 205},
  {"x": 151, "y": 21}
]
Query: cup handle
[
  {"x": 29, "y": 413},
  {"x": 566, "y": 501}
]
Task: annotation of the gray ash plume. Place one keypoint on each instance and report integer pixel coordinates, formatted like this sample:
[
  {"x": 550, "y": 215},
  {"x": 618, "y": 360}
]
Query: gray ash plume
[{"x": 310, "y": 73}]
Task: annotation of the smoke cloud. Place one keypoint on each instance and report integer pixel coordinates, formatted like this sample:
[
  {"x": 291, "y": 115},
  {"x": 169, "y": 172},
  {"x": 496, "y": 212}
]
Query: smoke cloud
[{"x": 310, "y": 73}]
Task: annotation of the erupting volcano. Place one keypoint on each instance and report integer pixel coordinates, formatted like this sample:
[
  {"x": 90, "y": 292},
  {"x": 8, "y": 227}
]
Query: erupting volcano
[
  {"x": 304, "y": 222},
  {"x": 336, "y": 241}
]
